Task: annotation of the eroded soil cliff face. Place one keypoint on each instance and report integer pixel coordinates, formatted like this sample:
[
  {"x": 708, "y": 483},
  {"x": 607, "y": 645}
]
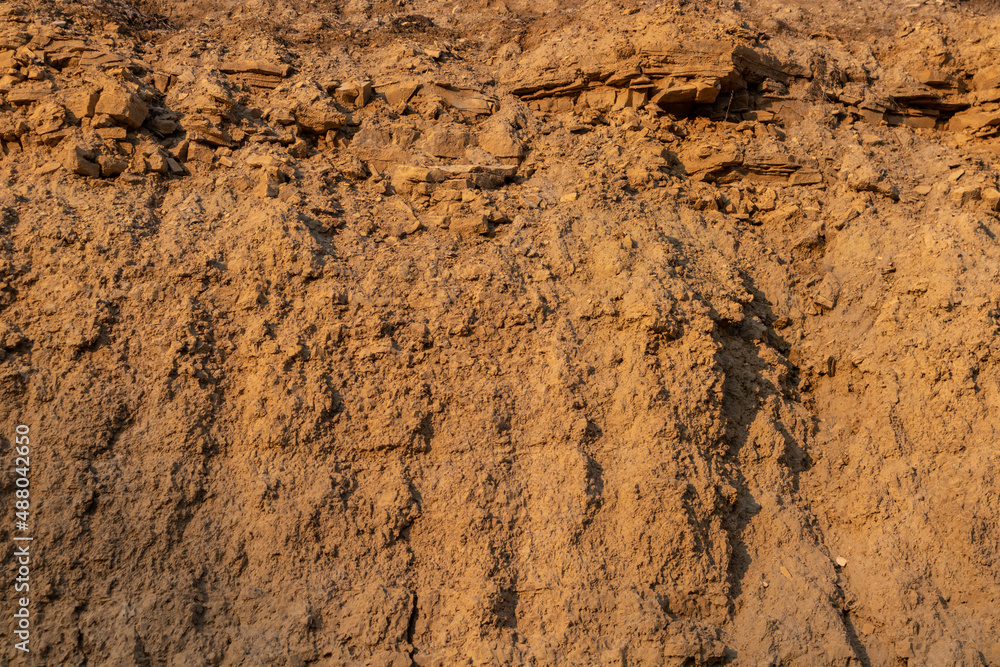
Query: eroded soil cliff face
[{"x": 482, "y": 333}]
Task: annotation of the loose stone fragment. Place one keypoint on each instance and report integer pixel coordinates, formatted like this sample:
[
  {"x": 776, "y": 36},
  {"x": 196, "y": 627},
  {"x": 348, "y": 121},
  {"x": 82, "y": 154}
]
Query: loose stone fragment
[
  {"x": 122, "y": 105},
  {"x": 79, "y": 160}
]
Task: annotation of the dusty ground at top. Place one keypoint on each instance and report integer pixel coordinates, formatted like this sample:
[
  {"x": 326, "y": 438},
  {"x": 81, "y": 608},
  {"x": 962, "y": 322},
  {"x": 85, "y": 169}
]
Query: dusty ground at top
[{"x": 503, "y": 333}]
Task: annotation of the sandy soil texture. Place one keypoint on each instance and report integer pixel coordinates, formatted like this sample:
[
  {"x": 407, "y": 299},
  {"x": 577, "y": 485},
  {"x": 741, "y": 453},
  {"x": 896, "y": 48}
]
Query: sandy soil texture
[{"x": 498, "y": 332}]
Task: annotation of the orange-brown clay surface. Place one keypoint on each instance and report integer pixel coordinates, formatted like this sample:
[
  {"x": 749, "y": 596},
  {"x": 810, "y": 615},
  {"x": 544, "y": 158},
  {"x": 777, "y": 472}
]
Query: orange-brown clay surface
[{"x": 502, "y": 332}]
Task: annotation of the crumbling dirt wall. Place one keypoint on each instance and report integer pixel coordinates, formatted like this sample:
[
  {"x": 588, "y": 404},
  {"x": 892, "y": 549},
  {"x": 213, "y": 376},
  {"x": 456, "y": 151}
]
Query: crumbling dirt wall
[{"x": 476, "y": 333}]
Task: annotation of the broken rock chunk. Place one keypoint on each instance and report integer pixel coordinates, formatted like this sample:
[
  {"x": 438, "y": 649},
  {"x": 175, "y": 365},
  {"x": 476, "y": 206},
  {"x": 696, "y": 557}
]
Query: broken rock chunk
[
  {"x": 355, "y": 94},
  {"x": 351, "y": 167},
  {"x": 991, "y": 197},
  {"x": 162, "y": 125},
  {"x": 319, "y": 117},
  {"x": 266, "y": 189},
  {"x": 47, "y": 117},
  {"x": 82, "y": 103},
  {"x": 471, "y": 225},
  {"x": 962, "y": 196},
  {"x": 256, "y": 67},
  {"x": 48, "y": 168},
  {"x": 406, "y": 176},
  {"x": 502, "y": 141},
  {"x": 398, "y": 92},
  {"x": 79, "y": 160},
  {"x": 313, "y": 110},
  {"x": 112, "y": 133},
  {"x": 122, "y": 105},
  {"x": 158, "y": 163},
  {"x": 112, "y": 165},
  {"x": 201, "y": 129},
  {"x": 257, "y": 73},
  {"x": 28, "y": 94},
  {"x": 446, "y": 141}
]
